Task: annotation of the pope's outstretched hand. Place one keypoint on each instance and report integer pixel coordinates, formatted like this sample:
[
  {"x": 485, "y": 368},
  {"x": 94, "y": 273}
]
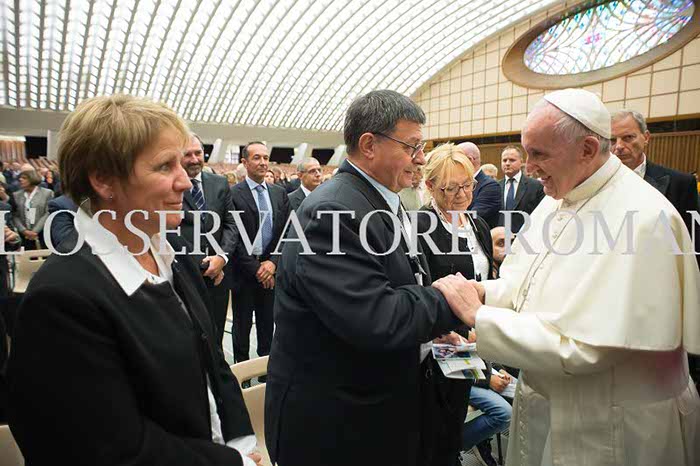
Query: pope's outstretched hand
[{"x": 461, "y": 295}]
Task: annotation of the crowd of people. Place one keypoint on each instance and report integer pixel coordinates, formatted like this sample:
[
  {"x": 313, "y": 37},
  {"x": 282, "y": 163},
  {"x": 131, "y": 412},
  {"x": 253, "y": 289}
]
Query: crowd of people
[{"x": 153, "y": 248}]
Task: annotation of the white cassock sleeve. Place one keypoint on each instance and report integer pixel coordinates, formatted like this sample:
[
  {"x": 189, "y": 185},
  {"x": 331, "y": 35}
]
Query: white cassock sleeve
[{"x": 526, "y": 342}]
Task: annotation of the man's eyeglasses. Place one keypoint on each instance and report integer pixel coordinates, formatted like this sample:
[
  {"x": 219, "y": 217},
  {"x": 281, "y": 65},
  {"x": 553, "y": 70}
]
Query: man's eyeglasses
[
  {"x": 453, "y": 190},
  {"x": 414, "y": 149}
]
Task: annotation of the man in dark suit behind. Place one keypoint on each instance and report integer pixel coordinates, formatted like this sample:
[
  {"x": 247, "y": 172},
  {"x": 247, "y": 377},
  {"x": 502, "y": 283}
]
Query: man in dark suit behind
[
  {"x": 630, "y": 137},
  {"x": 209, "y": 193},
  {"x": 520, "y": 192},
  {"x": 62, "y": 224},
  {"x": 487, "y": 194},
  {"x": 343, "y": 376},
  {"x": 265, "y": 207},
  {"x": 311, "y": 175}
]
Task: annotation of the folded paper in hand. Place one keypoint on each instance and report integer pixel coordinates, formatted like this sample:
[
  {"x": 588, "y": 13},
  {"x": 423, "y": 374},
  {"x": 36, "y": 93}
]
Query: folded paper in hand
[{"x": 459, "y": 362}]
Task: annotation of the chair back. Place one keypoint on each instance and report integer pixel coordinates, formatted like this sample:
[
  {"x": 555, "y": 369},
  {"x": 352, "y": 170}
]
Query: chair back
[
  {"x": 9, "y": 452},
  {"x": 254, "y": 398},
  {"x": 26, "y": 265}
]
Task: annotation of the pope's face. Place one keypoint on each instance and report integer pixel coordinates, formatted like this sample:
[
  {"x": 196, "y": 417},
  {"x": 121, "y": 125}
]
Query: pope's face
[{"x": 552, "y": 158}]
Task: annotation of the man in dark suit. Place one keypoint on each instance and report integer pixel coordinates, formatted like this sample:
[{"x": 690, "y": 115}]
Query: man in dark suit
[
  {"x": 62, "y": 223},
  {"x": 487, "y": 195},
  {"x": 343, "y": 376},
  {"x": 311, "y": 175},
  {"x": 630, "y": 137},
  {"x": 265, "y": 208},
  {"x": 520, "y": 192},
  {"x": 209, "y": 193}
]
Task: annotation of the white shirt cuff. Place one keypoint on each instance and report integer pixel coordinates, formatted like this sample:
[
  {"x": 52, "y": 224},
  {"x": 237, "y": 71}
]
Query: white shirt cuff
[{"x": 244, "y": 445}]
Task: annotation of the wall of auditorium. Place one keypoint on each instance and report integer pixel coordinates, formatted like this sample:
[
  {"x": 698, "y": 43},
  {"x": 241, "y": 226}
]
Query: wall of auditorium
[{"x": 472, "y": 97}]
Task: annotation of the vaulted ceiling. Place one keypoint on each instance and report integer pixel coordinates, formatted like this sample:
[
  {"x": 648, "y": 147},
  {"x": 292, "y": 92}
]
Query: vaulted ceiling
[{"x": 278, "y": 63}]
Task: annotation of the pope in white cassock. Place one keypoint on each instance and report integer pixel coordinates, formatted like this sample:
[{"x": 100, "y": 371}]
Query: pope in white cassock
[{"x": 599, "y": 325}]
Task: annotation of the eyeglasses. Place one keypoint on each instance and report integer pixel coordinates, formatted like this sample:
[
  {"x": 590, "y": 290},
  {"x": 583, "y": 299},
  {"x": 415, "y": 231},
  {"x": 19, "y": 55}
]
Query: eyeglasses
[
  {"x": 415, "y": 149},
  {"x": 453, "y": 190}
]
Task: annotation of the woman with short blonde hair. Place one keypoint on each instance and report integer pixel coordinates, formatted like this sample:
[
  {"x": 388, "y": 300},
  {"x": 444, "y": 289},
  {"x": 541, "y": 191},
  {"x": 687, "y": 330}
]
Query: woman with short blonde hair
[
  {"x": 137, "y": 376},
  {"x": 105, "y": 135},
  {"x": 449, "y": 178}
]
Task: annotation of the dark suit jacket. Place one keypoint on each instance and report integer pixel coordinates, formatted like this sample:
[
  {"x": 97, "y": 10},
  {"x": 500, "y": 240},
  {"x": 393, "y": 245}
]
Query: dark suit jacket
[
  {"x": 296, "y": 198},
  {"x": 681, "y": 190},
  {"x": 487, "y": 201},
  {"x": 62, "y": 224},
  {"x": 4, "y": 266},
  {"x": 527, "y": 198},
  {"x": 217, "y": 196},
  {"x": 244, "y": 266},
  {"x": 127, "y": 374},
  {"x": 345, "y": 354},
  {"x": 292, "y": 185}
]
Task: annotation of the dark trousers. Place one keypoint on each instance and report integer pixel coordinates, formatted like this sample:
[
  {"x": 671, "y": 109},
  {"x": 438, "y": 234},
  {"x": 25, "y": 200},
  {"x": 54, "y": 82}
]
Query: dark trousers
[
  {"x": 252, "y": 297},
  {"x": 218, "y": 307},
  {"x": 33, "y": 245},
  {"x": 443, "y": 409}
]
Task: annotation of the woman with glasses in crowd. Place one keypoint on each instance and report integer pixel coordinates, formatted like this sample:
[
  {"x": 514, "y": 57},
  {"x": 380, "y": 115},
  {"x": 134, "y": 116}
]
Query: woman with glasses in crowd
[{"x": 449, "y": 178}]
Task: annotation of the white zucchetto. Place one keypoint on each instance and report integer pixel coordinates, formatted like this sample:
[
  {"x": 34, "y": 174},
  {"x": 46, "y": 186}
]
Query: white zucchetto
[{"x": 583, "y": 106}]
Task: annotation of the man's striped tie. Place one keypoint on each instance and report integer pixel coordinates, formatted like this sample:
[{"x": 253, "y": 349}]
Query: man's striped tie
[{"x": 197, "y": 195}]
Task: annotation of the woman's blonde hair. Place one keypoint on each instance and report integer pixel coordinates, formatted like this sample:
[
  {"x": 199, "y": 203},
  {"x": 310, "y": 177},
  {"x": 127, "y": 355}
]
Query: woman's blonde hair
[
  {"x": 442, "y": 162},
  {"x": 105, "y": 134}
]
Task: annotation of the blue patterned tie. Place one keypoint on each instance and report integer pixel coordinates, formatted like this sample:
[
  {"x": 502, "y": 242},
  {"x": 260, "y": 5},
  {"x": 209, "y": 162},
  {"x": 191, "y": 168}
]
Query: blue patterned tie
[
  {"x": 265, "y": 217},
  {"x": 510, "y": 196},
  {"x": 197, "y": 195}
]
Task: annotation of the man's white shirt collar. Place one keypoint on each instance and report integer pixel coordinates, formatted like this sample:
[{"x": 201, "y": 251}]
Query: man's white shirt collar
[
  {"x": 389, "y": 196},
  {"x": 306, "y": 191},
  {"x": 121, "y": 264},
  {"x": 517, "y": 177},
  {"x": 254, "y": 185},
  {"x": 641, "y": 170}
]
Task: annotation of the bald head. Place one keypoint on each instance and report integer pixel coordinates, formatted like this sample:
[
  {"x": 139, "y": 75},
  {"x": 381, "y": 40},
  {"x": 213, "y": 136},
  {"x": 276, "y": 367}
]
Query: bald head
[{"x": 472, "y": 152}]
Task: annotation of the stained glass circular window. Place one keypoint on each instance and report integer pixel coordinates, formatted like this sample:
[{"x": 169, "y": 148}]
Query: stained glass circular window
[
  {"x": 607, "y": 34},
  {"x": 593, "y": 43}
]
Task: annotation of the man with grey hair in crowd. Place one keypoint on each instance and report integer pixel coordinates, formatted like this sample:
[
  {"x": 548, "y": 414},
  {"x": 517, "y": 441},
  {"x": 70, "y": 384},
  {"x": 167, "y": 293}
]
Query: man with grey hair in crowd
[
  {"x": 599, "y": 327},
  {"x": 487, "y": 202},
  {"x": 311, "y": 175},
  {"x": 343, "y": 375},
  {"x": 630, "y": 138}
]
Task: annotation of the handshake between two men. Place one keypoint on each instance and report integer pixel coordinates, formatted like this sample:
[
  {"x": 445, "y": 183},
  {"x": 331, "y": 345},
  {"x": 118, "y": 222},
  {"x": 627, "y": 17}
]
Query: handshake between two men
[{"x": 465, "y": 297}]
